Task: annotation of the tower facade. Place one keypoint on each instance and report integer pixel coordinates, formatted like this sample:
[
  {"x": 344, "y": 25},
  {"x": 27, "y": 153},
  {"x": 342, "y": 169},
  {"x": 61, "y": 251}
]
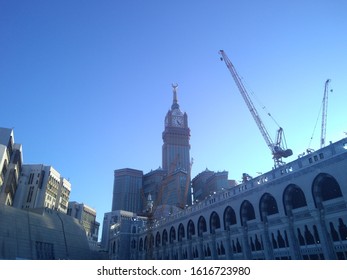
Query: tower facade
[
  {"x": 10, "y": 166},
  {"x": 42, "y": 186},
  {"x": 127, "y": 187},
  {"x": 176, "y": 135}
]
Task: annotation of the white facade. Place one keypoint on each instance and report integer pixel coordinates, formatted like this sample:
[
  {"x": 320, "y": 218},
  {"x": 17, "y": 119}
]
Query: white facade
[
  {"x": 42, "y": 186},
  {"x": 118, "y": 228},
  {"x": 296, "y": 211},
  {"x": 87, "y": 218},
  {"x": 10, "y": 166}
]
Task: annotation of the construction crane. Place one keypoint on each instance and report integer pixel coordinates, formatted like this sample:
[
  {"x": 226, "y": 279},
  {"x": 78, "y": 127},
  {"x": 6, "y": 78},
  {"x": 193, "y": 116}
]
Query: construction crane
[
  {"x": 324, "y": 113},
  {"x": 183, "y": 200},
  {"x": 277, "y": 148},
  {"x": 154, "y": 208}
]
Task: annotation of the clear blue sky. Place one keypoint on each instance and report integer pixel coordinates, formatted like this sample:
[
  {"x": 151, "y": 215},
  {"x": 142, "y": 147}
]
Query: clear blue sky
[{"x": 86, "y": 84}]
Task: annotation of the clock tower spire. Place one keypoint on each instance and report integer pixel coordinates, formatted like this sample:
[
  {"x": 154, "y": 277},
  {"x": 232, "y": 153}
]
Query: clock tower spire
[
  {"x": 175, "y": 102},
  {"x": 176, "y": 135}
]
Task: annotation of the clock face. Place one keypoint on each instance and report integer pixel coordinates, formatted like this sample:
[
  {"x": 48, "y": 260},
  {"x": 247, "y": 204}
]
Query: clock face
[{"x": 177, "y": 121}]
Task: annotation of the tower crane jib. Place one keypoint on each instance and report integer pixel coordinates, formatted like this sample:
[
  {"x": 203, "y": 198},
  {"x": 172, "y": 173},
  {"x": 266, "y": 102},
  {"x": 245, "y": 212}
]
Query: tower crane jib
[
  {"x": 277, "y": 149},
  {"x": 324, "y": 113}
]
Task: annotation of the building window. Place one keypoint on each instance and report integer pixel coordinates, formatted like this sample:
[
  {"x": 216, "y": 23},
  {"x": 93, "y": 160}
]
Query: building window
[
  {"x": 44, "y": 250},
  {"x": 30, "y": 194}
]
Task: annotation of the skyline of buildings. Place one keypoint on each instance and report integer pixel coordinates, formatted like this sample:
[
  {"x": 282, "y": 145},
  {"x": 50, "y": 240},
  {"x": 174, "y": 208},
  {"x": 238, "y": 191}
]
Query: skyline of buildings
[
  {"x": 295, "y": 211},
  {"x": 43, "y": 192},
  {"x": 168, "y": 185},
  {"x": 164, "y": 214}
]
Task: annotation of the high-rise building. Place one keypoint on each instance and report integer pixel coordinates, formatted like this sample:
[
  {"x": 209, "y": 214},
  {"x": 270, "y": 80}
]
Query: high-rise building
[
  {"x": 168, "y": 185},
  {"x": 207, "y": 183},
  {"x": 176, "y": 147},
  {"x": 33, "y": 203},
  {"x": 87, "y": 217},
  {"x": 160, "y": 192},
  {"x": 10, "y": 166},
  {"x": 127, "y": 190},
  {"x": 42, "y": 186},
  {"x": 294, "y": 211}
]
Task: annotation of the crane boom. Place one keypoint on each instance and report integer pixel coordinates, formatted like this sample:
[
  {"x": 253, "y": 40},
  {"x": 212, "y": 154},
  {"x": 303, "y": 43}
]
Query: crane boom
[
  {"x": 324, "y": 113},
  {"x": 277, "y": 151},
  {"x": 186, "y": 189}
]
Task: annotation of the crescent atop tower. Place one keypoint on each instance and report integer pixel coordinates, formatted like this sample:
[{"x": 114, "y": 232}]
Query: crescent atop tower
[{"x": 174, "y": 101}]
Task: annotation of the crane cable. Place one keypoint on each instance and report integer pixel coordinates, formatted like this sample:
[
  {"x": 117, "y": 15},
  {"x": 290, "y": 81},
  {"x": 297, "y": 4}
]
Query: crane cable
[
  {"x": 260, "y": 103},
  {"x": 318, "y": 117},
  {"x": 315, "y": 126}
]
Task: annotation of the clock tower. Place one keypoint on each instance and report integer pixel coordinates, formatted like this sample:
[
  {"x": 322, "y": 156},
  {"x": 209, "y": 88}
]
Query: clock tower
[{"x": 176, "y": 147}]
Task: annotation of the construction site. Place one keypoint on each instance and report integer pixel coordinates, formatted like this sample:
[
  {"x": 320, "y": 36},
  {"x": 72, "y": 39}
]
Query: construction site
[{"x": 297, "y": 210}]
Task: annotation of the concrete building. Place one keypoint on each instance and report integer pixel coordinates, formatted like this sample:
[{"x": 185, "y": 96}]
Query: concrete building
[
  {"x": 33, "y": 205},
  {"x": 169, "y": 185},
  {"x": 41, "y": 234},
  {"x": 162, "y": 191},
  {"x": 209, "y": 182},
  {"x": 10, "y": 166},
  {"x": 42, "y": 186},
  {"x": 118, "y": 228},
  {"x": 87, "y": 218},
  {"x": 295, "y": 211},
  {"x": 153, "y": 181},
  {"x": 127, "y": 190},
  {"x": 176, "y": 135}
]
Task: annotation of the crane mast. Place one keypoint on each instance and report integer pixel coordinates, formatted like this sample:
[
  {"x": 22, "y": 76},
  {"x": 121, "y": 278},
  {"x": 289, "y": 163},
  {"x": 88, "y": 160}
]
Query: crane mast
[
  {"x": 276, "y": 149},
  {"x": 324, "y": 113}
]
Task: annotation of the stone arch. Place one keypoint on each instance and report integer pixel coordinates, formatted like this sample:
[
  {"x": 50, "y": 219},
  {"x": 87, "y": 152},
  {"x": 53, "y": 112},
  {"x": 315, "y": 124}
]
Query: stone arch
[
  {"x": 133, "y": 244},
  {"x": 145, "y": 243},
  {"x": 151, "y": 241},
  {"x": 190, "y": 229},
  {"x": 181, "y": 233},
  {"x": 201, "y": 226},
  {"x": 246, "y": 212},
  {"x": 157, "y": 239},
  {"x": 325, "y": 187},
  {"x": 165, "y": 238},
  {"x": 214, "y": 222},
  {"x": 113, "y": 247},
  {"x": 293, "y": 198},
  {"x": 229, "y": 217},
  {"x": 172, "y": 235},
  {"x": 141, "y": 245},
  {"x": 267, "y": 206},
  {"x": 342, "y": 229}
]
